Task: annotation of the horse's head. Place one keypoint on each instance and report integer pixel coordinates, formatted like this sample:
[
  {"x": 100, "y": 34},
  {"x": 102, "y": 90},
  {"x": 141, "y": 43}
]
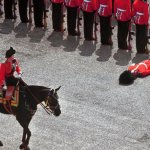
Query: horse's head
[{"x": 53, "y": 103}]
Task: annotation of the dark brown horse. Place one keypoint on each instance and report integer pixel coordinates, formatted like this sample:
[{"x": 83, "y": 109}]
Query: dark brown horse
[{"x": 29, "y": 98}]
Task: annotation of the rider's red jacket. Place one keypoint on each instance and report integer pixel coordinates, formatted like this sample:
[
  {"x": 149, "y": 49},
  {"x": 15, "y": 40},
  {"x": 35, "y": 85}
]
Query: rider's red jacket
[
  {"x": 140, "y": 12},
  {"x": 11, "y": 65},
  {"x": 122, "y": 10},
  {"x": 2, "y": 74},
  {"x": 105, "y": 7},
  {"x": 143, "y": 68}
]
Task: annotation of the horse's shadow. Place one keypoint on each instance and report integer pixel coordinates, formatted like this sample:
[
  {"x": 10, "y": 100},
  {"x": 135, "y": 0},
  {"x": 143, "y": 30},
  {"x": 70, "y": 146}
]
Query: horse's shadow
[
  {"x": 22, "y": 30},
  {"x": 56, "y": 39},
  {"x": 122, "y": 57},
  {"x": 104, "y": 53},
  {"x": 70, "y": 43},
  {"x": 87, "y": 48},
  {"x": 7, "y": 26},
  {"x": 36, "y": 35}
]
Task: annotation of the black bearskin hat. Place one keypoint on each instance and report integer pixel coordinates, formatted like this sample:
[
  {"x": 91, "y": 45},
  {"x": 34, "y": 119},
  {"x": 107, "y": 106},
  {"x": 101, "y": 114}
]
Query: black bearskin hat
[
  {"x": 126, "y": 78},
  {"x": 10, "y": 52}
]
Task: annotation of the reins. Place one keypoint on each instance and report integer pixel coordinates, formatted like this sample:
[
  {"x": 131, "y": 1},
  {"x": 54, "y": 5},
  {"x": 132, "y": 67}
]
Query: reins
[{"x": 37, "y": 100}]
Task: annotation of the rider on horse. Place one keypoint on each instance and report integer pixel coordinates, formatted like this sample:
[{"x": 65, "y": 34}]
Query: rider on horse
[{"x": 10, "y": 67}]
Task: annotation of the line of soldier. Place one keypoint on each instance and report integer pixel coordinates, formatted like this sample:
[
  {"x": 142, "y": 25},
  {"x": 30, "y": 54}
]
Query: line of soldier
[{"x": 125, "y": 11}]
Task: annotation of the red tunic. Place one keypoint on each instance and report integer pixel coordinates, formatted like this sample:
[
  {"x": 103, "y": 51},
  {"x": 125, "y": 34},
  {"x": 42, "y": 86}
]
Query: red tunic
[
  {"x": 73, "y": 3},
  {"x": 2, "y": 74},
  {"x": 11, "y": 64},
  {"x": 89, "y": 5},
  {"x": 140, "y": 12},
  {"x": 143, "y": 68},
  {"x": 105, "y": 7},
  {"x": 122, "y": 10}
]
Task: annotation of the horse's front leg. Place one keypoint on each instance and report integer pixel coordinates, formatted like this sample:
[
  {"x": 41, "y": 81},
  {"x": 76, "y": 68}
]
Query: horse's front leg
[
  {"x": 24, "y": 136},
  {"x": 23, "y": 145},
  {"x": 28, "y": 136}
]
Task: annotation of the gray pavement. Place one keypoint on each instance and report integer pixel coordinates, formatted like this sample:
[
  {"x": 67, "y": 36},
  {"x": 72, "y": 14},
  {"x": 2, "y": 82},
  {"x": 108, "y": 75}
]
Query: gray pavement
[{"x": 97, "y": 113}]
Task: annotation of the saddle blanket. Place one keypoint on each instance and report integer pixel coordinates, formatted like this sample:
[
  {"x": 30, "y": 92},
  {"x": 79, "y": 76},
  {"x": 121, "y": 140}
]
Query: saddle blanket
[{"x": 14, "y": 100}]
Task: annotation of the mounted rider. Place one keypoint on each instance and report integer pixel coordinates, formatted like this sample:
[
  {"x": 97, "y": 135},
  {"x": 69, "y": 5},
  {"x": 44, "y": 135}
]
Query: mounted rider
[{"x": 10, "y": 66}]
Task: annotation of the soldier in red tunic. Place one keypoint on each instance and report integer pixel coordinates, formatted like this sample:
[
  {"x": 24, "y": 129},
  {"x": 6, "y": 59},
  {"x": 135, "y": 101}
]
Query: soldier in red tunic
[
  {"x": 72, "y": 13},
  {"x": 11, "y": 66},
  {"x": 57, "y": 15},
  {"x": 140, "y": 9},
  {"x": 141, "y": 69},
  {"x": 89, "y": 7},
  {"x": 122, "y": 11},
  {"x": 105, "y": 14}
]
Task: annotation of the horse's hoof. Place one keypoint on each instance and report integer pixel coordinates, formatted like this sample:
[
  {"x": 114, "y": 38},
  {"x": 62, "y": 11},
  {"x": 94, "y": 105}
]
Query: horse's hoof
[
  {"x": 27, "y": 148},
  {"x": 22, "y": 146},
  {"x": 1, "y": 144}
]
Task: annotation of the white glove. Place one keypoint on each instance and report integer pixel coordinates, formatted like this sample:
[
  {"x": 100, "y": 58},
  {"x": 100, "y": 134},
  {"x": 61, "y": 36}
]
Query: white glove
[{"x": 19, "y": 75}]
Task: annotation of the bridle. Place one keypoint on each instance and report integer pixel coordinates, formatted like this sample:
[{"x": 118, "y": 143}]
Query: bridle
[{"x": 48, "y": 107}]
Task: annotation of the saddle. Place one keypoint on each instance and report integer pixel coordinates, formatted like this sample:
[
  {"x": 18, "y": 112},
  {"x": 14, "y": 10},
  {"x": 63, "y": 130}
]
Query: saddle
[{"x": 14, "y": 100}]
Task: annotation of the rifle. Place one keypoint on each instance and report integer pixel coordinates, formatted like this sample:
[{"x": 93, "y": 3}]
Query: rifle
[
  {"x": 1, "y": 5},
  {"x": 130, "y": 36},
  {"x": 14, "y": 9},
  {"x": 30, "y": 10},
  {"x": 78, "y": 22},
  {"x": 45, "y": 12},
  {"x": 95, "y": 26},
  {"x": 62, "y": 18}
]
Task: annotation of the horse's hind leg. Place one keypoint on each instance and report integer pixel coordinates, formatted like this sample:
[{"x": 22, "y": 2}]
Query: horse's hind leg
[{"x": 1, "y": 144}]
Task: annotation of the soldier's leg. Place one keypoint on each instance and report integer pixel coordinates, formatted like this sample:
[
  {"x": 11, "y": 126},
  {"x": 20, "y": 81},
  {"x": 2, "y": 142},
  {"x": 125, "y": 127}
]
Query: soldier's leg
[
  {"x": 8, "y": 4},
  {"x": 123, "y": 29},
  {"x": 141, "y": 38},
  {"x": 57, "y": 16},
  {"x": 88, "y": 25},
  {"x": 38, "y": 12},
  {"x": 23, "y": 4},
  {"x": 71, "y": 20}
]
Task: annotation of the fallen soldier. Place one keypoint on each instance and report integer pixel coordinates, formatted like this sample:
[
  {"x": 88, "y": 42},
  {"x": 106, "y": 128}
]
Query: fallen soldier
[{"x": 141, "y": 69}]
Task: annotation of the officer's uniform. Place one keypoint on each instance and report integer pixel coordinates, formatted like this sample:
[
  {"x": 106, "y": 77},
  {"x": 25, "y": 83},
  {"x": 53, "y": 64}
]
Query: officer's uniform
[
  {"x": 140, "y": 16},
  {"x": 57, "y": 15},
  {"x": 105, "y": 13},
  {"x": 122, "y": 11},
  {"x": 89, "y": 8}
]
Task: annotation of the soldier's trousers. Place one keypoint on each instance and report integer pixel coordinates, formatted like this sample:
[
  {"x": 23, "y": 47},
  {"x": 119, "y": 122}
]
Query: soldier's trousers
[
  {"x": 141, "y": 38},
  {"x": 71, "y": 20},
  {"x": 88, "y": 25},
  {"x": 8, "y": 9},
  {"x": 23, "y": 4},
  {"x": 38, "y": 12},
  {"x": 57, "y": 16},
  {"x": 105, "y": 30},
  {"x": 123, "y": 30}
]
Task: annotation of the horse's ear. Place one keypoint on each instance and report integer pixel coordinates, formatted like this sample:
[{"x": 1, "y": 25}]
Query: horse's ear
[
  {"x": 57, "y": 89},
  {"x": 52, "y": 91}
]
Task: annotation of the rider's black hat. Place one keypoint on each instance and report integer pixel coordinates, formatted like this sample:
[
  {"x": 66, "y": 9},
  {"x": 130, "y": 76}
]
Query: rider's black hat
[{"x": 10, "y": 52}]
